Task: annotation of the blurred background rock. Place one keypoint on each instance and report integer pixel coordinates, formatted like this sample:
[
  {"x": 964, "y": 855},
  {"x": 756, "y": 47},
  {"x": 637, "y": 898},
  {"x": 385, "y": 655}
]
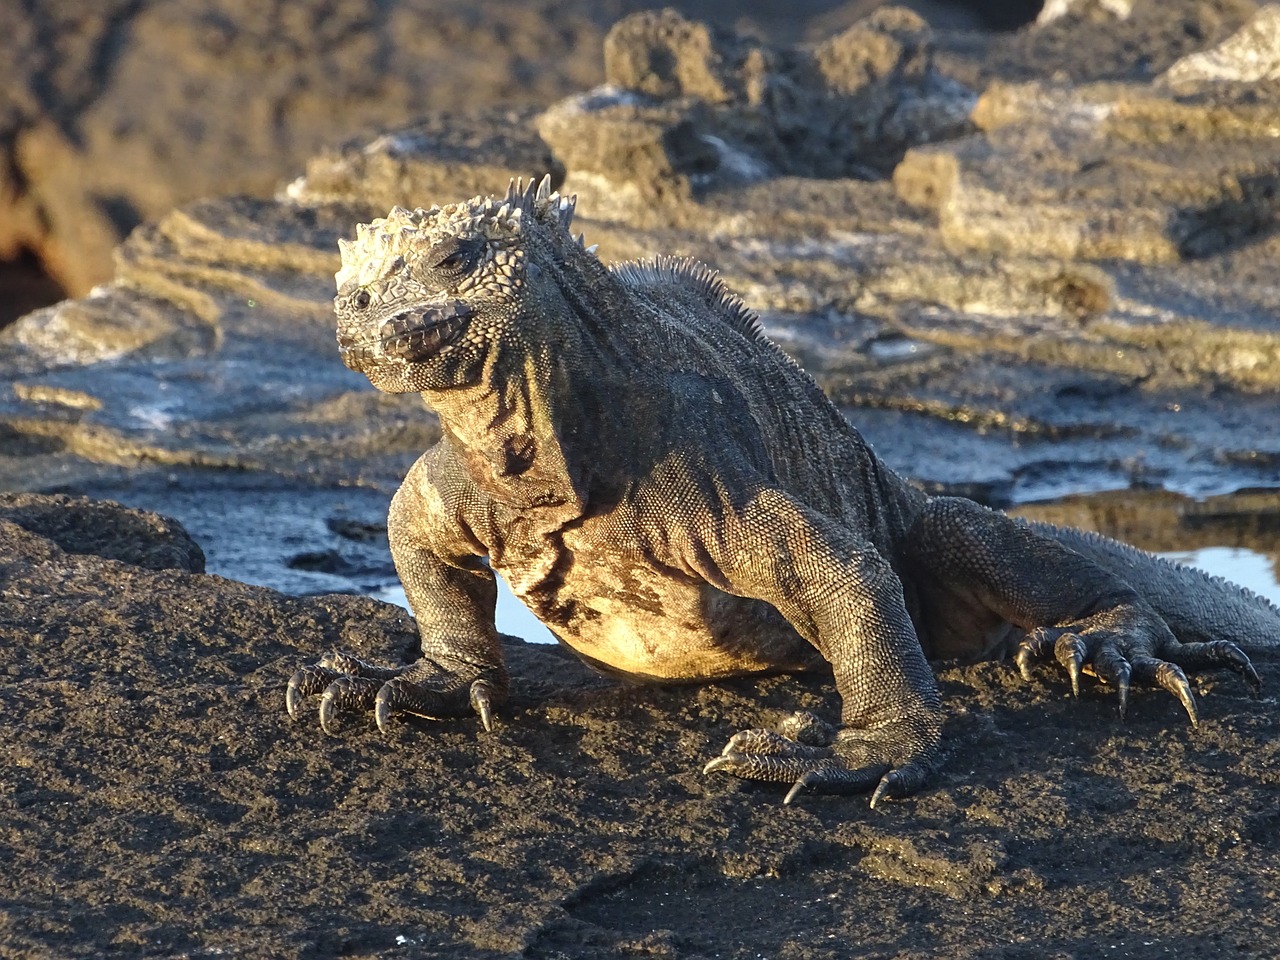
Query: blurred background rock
[{"x": 113, "y": 112}]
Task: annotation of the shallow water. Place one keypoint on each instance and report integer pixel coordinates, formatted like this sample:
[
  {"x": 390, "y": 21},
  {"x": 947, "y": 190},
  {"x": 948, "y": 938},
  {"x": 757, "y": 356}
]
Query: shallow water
[
  {"x": 1248, "y": 568},
  {"x": 513, "y": 617},
  {"x": 305, "y": 539}
]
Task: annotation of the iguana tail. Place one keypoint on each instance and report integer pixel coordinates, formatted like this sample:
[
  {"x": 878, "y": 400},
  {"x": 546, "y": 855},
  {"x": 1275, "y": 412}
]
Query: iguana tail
[{"x": 1197, "y": 606}]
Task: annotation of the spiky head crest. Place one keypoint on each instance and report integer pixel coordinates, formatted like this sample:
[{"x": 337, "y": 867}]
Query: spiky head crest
[{"x": 398, "y": 243}]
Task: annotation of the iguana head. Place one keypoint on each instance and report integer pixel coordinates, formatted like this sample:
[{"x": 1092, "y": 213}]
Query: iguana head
[{"x": 425, "y": 296}]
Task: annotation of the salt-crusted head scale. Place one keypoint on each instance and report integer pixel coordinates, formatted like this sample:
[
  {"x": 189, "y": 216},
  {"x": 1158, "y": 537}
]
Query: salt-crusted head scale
[{"x": 387, "y": 246}]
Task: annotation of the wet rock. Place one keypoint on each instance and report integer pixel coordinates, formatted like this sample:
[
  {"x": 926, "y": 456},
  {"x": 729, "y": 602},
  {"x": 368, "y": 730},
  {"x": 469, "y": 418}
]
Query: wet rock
[
  {"x": 212, "y": 348},
  {"x": 96, "y": 528},
  {"x": 111, "y": 322}
]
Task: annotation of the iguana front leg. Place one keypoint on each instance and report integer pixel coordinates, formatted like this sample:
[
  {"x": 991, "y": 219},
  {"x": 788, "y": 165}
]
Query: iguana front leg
[
  {"x": 966, "y": 557},
  {"x": 452, "y": 594},
  {"x": 843, "y": 597}
]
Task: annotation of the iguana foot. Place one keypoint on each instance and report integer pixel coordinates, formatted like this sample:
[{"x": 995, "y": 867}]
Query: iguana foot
[
  {"x": 1119, "y": 660},
  {"x": 895, "y": 758},
  {"x": 347, "y": 684}
]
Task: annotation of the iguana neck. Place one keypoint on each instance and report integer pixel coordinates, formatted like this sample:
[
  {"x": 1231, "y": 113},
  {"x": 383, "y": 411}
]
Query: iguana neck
[{"x": 524, "y": 428}]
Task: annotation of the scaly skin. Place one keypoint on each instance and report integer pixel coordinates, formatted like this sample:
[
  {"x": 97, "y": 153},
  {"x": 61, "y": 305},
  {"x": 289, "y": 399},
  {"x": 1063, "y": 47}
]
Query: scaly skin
[{"x": 678, "y": 501}]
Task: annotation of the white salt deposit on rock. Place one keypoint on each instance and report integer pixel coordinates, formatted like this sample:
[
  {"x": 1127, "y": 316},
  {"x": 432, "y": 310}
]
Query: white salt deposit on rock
[{"x": 1250, "y": 55}]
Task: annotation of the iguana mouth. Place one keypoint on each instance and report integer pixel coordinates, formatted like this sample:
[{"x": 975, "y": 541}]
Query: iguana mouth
[{"x": 418, "y": 335}]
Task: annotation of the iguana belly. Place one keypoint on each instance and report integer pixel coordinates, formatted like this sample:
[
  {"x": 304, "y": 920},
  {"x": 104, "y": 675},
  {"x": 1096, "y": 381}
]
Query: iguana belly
[{"x": 649, "y": 625}]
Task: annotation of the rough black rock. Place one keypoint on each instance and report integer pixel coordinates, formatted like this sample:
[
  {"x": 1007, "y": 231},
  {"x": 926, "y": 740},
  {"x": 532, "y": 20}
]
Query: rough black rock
[{"x": 156, "y": 798}]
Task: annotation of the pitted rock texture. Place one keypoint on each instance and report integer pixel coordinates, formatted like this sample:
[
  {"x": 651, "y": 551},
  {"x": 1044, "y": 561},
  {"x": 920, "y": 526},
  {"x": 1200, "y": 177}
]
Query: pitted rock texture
[
  {"x": 155, "y": 798},
  {"x": 687, "y": 110},
  {"x": 1104, "y": 172},
  {"x": 1250, "y": 55}
]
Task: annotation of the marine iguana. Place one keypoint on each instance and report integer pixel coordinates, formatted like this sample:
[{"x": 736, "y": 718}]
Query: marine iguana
[{"x": 678, "y": 501}]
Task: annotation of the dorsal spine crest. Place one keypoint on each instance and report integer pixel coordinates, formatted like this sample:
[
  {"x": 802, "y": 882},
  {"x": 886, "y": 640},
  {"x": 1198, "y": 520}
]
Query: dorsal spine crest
[{"x": 696, "y": 275}]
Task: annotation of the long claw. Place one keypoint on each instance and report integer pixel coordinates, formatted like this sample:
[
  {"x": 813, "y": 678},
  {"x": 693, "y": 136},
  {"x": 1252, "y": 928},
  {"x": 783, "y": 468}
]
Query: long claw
[
  {"x": 1071, "y": 652},
  {"x": 482, "y": 703},
  {"x": 328, "y": 711},
  {"x": 306, "y": 682},
  {"x": 1024, "y": 658},
  {"x": 796, "y": 787},
  {"x": 1034, "y": 647},
  {"x": 1215, "y": 654},
  {"x": 293, "y": 695},
  {"x": 881, "y": 789},
  {"x": 1112, "y": 668},
  {"x": 719, "y": 763},
  {"x": 1232, "y": 656},
  {"x": 900, "y": 782},
  {"x": 1250, "y": 676},
  {"x": 382, "y": 710},
  {"x": 1171, "y": 677}
]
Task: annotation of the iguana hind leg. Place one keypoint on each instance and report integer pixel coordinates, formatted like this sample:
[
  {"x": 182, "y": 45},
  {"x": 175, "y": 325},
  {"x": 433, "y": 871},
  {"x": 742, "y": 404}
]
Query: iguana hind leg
[{"x": 1073, "y": 610}]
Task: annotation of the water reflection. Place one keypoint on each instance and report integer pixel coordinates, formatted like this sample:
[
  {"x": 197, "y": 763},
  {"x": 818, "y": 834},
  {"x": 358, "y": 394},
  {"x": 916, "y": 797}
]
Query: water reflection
[
  {"x": 1236, "y": 536},
  {"x": 513, "y": 617},
  {"x": 1251, "y": 569}
]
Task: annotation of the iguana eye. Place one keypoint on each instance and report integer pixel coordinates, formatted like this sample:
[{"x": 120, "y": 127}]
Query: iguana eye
[
  {"x": 361, "y": 299},
  {"x": 453, "y": 257}
]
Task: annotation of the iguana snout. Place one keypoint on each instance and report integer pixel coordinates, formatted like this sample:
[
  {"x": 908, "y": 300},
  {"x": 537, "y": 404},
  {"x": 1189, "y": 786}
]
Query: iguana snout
[
  {"x": 418, "y": 335},
  {"x": 414, "y": 336}
]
